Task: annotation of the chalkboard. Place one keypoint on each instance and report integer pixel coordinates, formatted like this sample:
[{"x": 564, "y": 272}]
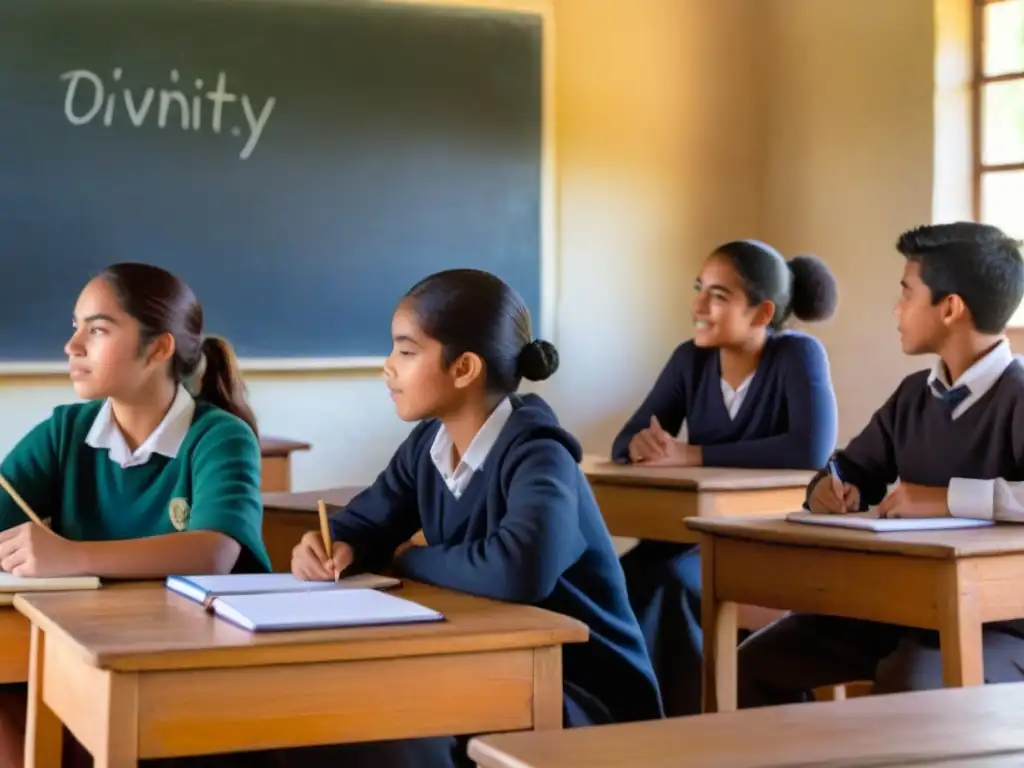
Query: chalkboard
[{"x": 299, "y": 164}]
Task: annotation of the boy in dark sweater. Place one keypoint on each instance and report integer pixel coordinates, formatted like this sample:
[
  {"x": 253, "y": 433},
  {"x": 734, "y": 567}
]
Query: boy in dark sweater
[{"x": 953, "y": 438}]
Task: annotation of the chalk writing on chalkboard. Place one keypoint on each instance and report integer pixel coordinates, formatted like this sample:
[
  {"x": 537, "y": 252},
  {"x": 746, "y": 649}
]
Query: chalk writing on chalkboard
[{"x": 87, "y": 97}]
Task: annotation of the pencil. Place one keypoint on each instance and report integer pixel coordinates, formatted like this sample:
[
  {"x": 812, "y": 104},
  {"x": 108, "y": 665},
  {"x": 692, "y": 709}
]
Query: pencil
[
  {"x": 21, "y": 503},
  {"x": 325, "y": 532}
]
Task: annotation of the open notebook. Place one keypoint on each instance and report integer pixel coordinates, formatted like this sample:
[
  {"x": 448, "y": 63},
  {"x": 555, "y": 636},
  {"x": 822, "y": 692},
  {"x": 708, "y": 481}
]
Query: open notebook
[
  {"x": 869, "y": 521},
  {"x": 10, "y": 585},
  {"x": 203, "y": 589},
  {"x": 279, "y": 611}
]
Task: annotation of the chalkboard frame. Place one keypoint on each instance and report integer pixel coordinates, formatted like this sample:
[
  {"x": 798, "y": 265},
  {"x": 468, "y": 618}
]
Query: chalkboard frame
[{"x": 545, "y": 326}]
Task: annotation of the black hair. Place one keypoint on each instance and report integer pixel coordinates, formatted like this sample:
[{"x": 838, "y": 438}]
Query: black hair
[
  {"x": 469, "y": 310},
  {"x": 977, "y": 262},
  {"x": 803, "y": 287},
  {"x": 163, "y": 303}
]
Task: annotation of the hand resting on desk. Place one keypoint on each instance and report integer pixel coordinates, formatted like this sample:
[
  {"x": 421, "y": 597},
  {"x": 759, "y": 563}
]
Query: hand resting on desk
[
  {"x": 656, "y": 447},
  {"x": 912, "y": 500}
]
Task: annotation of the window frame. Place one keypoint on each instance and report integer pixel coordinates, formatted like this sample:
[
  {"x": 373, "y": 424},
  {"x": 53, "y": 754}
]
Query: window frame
[{"x": 979, "y": 81}]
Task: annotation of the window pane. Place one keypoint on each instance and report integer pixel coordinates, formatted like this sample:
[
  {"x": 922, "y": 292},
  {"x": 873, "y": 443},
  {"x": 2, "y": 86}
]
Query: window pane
[
  {"x": 1002, "y": 119},
  {"x": 1002, "y": 204},
  {"x": 1004, "y": 37}
]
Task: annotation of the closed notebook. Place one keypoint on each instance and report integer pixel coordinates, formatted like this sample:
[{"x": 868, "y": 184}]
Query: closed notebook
[
  {"x": 869, "y": 521},
  {"x": 10, "y": 585},
  {"x": 202, "y": 589},
  {"x": 280, "y": 611}
]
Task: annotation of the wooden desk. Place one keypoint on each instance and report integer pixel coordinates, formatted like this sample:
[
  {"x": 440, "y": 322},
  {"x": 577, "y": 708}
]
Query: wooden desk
[
  {"x": 980, "y": 726},
  {"x": 276, "y": 468},
  {"x": 146, "y": 673},
  {"x": 651, "y": 503},
  {"x": 951, "y": 581},
  {"x": 286, "y": 516},
  {"x": 14, "y": 645}
]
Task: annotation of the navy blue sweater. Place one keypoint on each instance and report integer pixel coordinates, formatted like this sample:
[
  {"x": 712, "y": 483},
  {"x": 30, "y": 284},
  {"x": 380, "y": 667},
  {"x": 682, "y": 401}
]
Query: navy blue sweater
[
  {"x": 787, "y": 419},
  {"x": 526, "y": 530}
]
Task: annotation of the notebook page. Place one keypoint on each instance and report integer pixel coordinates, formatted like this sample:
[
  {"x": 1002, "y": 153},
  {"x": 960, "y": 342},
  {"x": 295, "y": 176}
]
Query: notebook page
[
  {"x": 11, "y": 583},
  {"x": 308, "y": 610},
  {"x": 250, "y": 583},
  {"x": 869, "y": 521}
]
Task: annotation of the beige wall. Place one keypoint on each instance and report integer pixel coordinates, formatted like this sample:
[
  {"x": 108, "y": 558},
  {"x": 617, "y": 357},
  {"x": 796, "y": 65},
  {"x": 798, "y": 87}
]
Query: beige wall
[
  {"x": 656, "y": 165},
  {"x": 847, "y": 163}
]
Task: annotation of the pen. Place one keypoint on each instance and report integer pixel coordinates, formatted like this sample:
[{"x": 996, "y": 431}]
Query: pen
[{"x": 837, "y": 479}]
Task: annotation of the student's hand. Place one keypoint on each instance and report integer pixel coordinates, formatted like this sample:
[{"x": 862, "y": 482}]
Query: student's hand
[
  {"x": 910, "y": 500},
  {"x": 656, "y": 447},
  {"x": 310, "y": 561},
  {"x": 831, "y": 497},
  {"x": 650, "y": 444},
  {"x": 29, "y": 550}
]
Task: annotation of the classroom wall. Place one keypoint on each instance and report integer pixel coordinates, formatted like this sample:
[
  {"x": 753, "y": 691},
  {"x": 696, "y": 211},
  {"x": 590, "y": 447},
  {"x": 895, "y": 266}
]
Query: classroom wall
[
  {"x": 848, "y": 89},
  {"x": 657, "y": 163}
]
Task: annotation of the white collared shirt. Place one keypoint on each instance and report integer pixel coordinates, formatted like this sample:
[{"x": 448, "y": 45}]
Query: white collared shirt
[
  {"x": 441, "y": 451},
  {"x": 166, "y": 439},
  {"x": 979, "y": 378},
  {"x": 733, "y": 398},
  {"x": 994, "y": 499}
]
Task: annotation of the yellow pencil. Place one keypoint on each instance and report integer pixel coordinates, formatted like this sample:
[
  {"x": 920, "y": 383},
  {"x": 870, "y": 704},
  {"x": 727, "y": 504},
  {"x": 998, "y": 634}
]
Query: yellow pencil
[
  {"x": 21, "y": 503},
  {"x": 325, "y": 531}
]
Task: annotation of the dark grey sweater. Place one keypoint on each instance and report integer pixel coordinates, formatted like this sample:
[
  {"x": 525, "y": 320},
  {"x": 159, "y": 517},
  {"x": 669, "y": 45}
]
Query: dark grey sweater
[{"x": 912, "y": 437}]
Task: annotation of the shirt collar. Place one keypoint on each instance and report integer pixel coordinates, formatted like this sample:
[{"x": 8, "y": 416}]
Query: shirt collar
[
  {"x": 979, "y": 378},
  {"x": 483, "y": 442},
  {"x": 165, "y": 440}
]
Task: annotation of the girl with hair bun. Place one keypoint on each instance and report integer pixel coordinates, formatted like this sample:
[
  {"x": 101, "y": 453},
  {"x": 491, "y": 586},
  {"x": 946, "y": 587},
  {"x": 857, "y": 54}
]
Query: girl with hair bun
[
  {"x": 751, "y": 394},
  {"x": 494, "y": 483}
]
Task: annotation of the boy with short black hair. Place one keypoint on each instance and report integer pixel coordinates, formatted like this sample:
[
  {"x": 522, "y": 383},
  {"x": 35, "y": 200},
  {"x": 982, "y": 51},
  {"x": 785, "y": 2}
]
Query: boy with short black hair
[{"x": 954, "y": 438}]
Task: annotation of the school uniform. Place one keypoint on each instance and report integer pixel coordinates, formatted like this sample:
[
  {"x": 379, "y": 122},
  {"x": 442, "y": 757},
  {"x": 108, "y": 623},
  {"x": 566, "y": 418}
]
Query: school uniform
[
  {"x": 198, "y": 471},
  {"x": 782, "y": 417},
  {"x": 515, "y": 520},
  {"x": 967, "y": 435}
]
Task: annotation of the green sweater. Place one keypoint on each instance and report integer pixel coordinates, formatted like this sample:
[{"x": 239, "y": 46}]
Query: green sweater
[{"x": 213, "y": 484}]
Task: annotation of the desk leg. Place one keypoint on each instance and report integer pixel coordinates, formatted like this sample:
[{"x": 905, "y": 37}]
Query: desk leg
[
  {"x": 118, "y": 745},
  {"x": 547, "y": 688},
  {"x": 718, "y": 621},
  {"x": 960, "y": 630},
  {"x": 44, "y": 734}
]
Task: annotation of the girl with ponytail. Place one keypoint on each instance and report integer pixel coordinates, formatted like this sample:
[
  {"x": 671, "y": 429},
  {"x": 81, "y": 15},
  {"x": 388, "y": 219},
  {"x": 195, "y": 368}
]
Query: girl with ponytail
[{"x": 156, "y": 473}]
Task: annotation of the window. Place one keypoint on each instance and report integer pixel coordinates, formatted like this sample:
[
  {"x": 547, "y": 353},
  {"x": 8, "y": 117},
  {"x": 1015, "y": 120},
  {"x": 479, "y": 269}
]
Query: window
[{"x": 999, "y": 117}]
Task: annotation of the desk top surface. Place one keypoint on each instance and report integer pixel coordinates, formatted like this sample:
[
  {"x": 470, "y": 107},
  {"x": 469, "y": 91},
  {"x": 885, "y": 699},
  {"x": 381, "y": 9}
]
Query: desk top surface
[
  {"x": 599, "y": 469},
  {"x": 872, "y": 730},
  {"x": 305, "y": 501},
  {"x": 280, "y": 446},
  {"x": 153, "y": 628},
  {"x": 950, "y": 543}
]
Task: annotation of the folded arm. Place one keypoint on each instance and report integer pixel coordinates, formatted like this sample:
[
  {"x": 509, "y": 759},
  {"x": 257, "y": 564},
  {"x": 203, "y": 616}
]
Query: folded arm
[
  {"x": 666, "y": 401},
  {"x": 535, "y": 543},
  {"x": 999, "y": 498},
  {"x": 869, "y": 461},
  {"x": 384, "y": 516}
]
